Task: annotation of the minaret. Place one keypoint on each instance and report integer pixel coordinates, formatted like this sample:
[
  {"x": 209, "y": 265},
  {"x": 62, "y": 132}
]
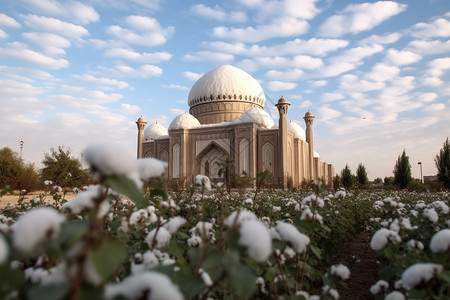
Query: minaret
[
  {"x": 309, "y": 119},
  {"x": 141, "y": 126},
  {"x": 282, "y": 106}
]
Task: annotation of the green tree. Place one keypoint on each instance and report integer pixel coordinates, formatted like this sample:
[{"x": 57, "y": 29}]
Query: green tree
[
  {"x": 361, "y": 174},
  {"x": 63, "y": 169},
  {"x": 15, "y": 173},
  {"x": 346, "y": 177},
  {"x": 402, "y": 171},
  {"x": 388, "y": 181},
  {"x": 442, "y": 161},
  {"x": 378, "y": 180}
]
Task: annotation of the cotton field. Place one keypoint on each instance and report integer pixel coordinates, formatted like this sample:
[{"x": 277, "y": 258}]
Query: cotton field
[{"x": 128, "y": 238}]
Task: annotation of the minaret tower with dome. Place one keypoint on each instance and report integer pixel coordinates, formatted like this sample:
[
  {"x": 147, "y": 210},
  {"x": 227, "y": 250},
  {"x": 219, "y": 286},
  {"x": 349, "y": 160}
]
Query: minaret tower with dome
[
  {"x": 309, "y": 120},
  {"x": 141, "y": 126},
  {"x": 282, "y": 106}
]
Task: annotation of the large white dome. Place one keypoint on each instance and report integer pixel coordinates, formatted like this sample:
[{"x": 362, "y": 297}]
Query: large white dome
[
  {"x": 184, "y": 121},
  {"x": 256, "y": 115},
  {"x": 223, "y": 94},
  {"x": 154, "y": 131}
]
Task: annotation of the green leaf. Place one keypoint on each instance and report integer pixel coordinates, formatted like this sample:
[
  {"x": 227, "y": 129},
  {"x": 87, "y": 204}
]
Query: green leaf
[
  {"x": 240, "y": 276},
  {"x": 48, "y": 292},
  {"x": 127, "y": 187},
  {"x": 72, "y": 231},
  {"x": 108, "y": 257},
  {"x": 317, "y": 252},
  {"x": 445, "y": 276}
]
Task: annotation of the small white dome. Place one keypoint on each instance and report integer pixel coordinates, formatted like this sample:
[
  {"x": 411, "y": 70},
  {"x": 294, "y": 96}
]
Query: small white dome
[
  {"x": 184, "y": 121},
  {"x": 297, "y": 130},
  {"x": 316, "y": 154},
  {"x": 154, "y": 131},
  {"x": 255, "y": 115}
]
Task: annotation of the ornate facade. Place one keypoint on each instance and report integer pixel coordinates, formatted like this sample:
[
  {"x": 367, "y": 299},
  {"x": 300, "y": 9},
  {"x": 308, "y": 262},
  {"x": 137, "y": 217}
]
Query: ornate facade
[{"x": 227, "y": 121}]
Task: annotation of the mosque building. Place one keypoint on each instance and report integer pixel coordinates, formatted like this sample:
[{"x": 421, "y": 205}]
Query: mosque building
[{"x": 226, "y": 122}]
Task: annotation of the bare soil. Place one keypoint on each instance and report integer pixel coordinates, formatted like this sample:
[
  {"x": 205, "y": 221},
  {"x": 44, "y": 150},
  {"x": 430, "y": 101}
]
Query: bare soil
[
  {"x": 14, "y": 198},
  {"x": 360, "y": 259}
]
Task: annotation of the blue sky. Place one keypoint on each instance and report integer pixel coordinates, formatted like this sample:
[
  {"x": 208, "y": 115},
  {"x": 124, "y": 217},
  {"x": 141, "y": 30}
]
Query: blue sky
[{"x": 375, "y": 73}]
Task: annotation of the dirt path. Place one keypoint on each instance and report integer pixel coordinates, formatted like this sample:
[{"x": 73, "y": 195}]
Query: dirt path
[
  {"x": 13, "y": 198},
  {"x": 360, "y": 259}
]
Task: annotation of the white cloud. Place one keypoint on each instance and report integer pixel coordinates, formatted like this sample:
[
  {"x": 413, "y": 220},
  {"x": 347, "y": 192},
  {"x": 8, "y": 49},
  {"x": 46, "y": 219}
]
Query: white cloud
[
  {"x": 299, "y": 61},
  {"x": 143, "y": 71},
  {"x": 24, "y": 74},
  {"x": 435, "y": 107},
  {"x": 383, "y": 72},
  {"x": 282, "y": 28},
  {"x": 52, "y": 44},
  {"x": 138, "y": 57},
  {"x": 54, "y": 25},
  {"x": 314, "y": 46},
  {"x": 329, "y": 97},
  {"x": 356, "y": 18},
  {"x": 103, "y": 81},
  {"x": 209, "y": 56},
  {"x": 428, "y": 97},
  {"x": 3, "y": 35},
  {"x": 73, "y": 10},
  {"x": 177, "y": 111},
  {"x": 430, "y": 47},
  {"x": 280, "y": 85},
  {"x": 349, "y": 60},
  {"x": 293, "y": 74},
  {"x": 326, "y": 113},
  {"x": 146, "y": 38},
  {"x": 305, "y": 104},
  {"x": 6, "y": 21},
  {"x": 34, "y": 57},
  {"x": 352, "y": 83},
  {"x": 319, "y": 83},
  {"x": 176, "y": 87},
  {"x": 381, "y": 39},
  {"x": 402, "y": 57},
  {"x": 217, "y": 13},
  {"x": 192, "y": 76},
  {"x": 129, "y": 109},
  {"x": 438, "y": 28}
]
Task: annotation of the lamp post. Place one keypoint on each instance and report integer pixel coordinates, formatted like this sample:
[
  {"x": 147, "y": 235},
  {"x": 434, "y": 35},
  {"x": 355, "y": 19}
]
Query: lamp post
[
  {"x": 421, "y": 177},
  {"x": 21, "y": 149}
]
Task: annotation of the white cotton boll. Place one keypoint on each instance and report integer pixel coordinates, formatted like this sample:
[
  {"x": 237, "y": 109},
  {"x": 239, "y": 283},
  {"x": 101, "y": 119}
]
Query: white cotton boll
[
  {"x": 162, "y": 238},
  {"x": 274, "y": 235},
  {"x": 395, "y": 295},
  {"x": 289, "y": 233},
  {"x": 255, "y": 236},
  {"x": 84, "y": 200},
  {"x": 110, "y": 160},
  {"x": 205, "y": 277},
  {"x": 174, "y": 224},
  {"x": 244, "y": 215},
  {"x": 289, "y": 251},
  {"x": 149, "y": 168},
  {"x": 35, "y": 275},
  {"x": 4, "y": 250},
  {"x": 413, "y": 244},
  {"x": 307, "y": 214},
  {"x": 90, "y": 272},
  {"x": 441, "y": 206},
  {"x": 396, "y": 225},
  {"x": 138, "y": 216},
  {"x": 34, "y": 227},
  {"x": 340, "y": 193},
  {"x": 303, "y": 294},
  {"x": 431, "y": 214},
  {"x": 418, "y": 273},
  {"x": 159, "y": 287},
  {"x": 332, "y": 292},
  {"x": 440, "y": 242},
  {"x": 382, "y": 237},
  {"x": 378, "y": 287},
  {"x": 194, "y": 241},
  {"x": 203, "y": 181},
  {"x": 340, "y": 271}
]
